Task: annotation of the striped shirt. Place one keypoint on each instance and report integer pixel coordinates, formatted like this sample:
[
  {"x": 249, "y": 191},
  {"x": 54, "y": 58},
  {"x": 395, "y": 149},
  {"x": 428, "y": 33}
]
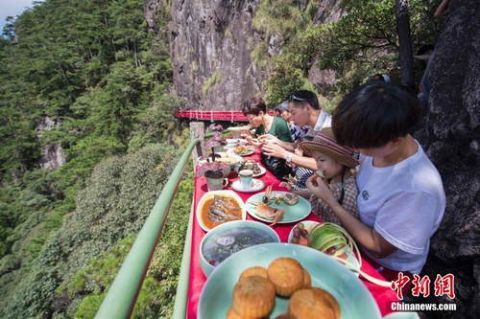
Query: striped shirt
[{"x": 324, "y": 212}]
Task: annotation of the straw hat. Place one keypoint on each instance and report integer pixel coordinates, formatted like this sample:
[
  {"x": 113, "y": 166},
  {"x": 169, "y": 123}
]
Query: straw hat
[{"x": 324, "y": 142}]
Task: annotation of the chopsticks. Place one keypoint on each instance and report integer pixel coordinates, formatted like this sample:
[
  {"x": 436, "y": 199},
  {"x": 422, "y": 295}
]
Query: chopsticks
[{"x": 266, "y": 196}]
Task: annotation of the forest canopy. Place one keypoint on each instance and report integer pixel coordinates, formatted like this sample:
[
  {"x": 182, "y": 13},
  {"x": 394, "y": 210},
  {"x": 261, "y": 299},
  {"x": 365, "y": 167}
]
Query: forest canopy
[{"x": 92, "y": 68}]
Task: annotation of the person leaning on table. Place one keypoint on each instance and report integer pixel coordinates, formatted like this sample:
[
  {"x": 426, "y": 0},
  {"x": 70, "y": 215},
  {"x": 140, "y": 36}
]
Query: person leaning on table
[
  {"x": 256, "y": 112},
  {"x": 401, "y": 199},
  {"x": 305, "y": 110}
]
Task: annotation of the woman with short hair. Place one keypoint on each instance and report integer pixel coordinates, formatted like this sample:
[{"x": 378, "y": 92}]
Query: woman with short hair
[
  {"x": 256, "y": 112},
  {"x": 401, "y": 198}
]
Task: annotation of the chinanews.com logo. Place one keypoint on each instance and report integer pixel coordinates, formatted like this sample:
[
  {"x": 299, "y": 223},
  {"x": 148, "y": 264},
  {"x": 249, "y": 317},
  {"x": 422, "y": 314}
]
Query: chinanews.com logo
[{"x": 443, "y": 286}]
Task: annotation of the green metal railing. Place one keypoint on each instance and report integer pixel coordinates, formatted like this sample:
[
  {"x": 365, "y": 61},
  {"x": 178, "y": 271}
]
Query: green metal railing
[{"x": 123, "y": 292}]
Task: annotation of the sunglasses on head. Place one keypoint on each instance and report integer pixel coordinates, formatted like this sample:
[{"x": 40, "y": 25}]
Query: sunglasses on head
[
  {"x": 296, "y": 99},
  {"x": 308, "y": 138}
]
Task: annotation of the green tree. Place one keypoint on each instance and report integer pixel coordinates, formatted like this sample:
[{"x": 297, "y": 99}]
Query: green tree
[
  {"x": 364, "y": 40},
  {"x": 91, "y": 66}
]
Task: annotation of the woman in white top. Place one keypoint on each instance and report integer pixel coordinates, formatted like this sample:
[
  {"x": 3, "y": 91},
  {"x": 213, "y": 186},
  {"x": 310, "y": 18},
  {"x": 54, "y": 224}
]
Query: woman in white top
[{"x": 401, "y": 199}]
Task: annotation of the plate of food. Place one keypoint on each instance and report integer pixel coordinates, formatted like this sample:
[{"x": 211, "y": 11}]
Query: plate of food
[
  {"x": 229, "y": 238},
  {"x": 236, "y": 141},
  {"x": 218, "y": 207},
  {"x": 328, "y": 238},
  {"x": 238, "y": 128},
  {"x": 254, "y": 280},
  {"x": 257, "y": 169},
  {"x": 243, "y": 150},
  {"x": 278, "y": 207}
]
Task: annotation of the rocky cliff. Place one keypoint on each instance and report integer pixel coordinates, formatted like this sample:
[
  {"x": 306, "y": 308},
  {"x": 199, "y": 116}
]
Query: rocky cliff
[
  {"x": 210, "y": 44},
  {"x": 452, "y": 139},
  {"x": 53, "y": 155}
]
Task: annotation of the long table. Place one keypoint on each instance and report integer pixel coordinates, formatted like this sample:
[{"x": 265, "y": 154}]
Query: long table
[{"x": 383, "y": 296}]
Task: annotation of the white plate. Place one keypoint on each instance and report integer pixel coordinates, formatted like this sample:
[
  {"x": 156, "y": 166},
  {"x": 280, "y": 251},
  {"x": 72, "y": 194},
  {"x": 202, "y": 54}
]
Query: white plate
[
  {"x": 238, "y": 128},
  {"x": 257, "y": 185},
  {"x": 309, "y": 225},
  {"x": 208, "y": 196},
  {"x": 248, "y": 153},
  {"x": 263, "y": 170},
  {"x": 235, "y": 141}
]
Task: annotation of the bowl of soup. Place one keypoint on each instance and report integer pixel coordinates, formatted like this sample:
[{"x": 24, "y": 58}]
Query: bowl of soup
[
  {"x": 229, "y": 238},
  {"x": 218, "y": 207}
]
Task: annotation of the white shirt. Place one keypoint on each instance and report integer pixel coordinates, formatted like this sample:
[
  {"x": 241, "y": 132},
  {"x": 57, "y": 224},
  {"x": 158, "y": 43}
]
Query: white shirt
[
  {"x": 404, "y": 203},
  {"x": 324, "y": 120}
]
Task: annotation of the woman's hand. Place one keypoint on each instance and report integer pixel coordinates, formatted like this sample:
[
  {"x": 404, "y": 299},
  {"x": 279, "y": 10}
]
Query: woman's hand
[
  {"x": 319, "y": 187},
  {"x": 274, "y": 150},
  {"x": 249, "y": 138},
  {"x": 298, "y": 151},
  {"x": 269, "y": 138},
  {"x": 246, "y": 134},
  {"x": 286, "y": 185}
]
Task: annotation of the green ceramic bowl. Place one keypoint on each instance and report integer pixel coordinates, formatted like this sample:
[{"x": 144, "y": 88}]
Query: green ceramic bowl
[
  {"x": 354, "y": 298},
  {"x": 228, "y": 238}
]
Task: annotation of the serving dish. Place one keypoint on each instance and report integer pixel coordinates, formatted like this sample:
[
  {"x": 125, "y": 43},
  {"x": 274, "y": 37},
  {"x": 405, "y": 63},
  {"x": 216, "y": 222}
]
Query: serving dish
[
  {"x": 354, "y": 299},
  {"x": 217, "y": 207},
  {"x": 231, "y": 237}
]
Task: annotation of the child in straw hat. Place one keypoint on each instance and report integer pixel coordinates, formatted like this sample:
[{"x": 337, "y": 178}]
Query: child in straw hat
[{"x": 336, "y": 164}]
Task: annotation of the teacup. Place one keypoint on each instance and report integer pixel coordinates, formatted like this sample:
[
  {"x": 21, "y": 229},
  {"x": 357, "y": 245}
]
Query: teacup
[
  {"x": 215, "y": 180},
  {"x": 216, "y": 184},
  {"x": 246, "y": 178}
]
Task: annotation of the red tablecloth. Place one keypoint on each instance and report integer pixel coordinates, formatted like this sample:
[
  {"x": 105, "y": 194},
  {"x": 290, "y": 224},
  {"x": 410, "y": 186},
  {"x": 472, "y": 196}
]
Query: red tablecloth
[{"x": 383, "y": 296}]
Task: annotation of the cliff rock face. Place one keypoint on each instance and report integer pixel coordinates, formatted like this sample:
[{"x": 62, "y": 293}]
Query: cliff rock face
[
  {"x": 151, "y": 9},
  {"x": 210, "y": 44},
  {"x": 452, "y": 139},
  {"x": 52, "y": 154}
]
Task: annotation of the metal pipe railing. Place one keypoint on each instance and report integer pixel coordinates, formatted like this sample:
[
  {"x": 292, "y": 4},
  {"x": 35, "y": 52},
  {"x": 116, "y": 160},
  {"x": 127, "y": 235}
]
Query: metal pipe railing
[
  {"x": 179, "y": 309},
  {"x": 123, "y": 292}
]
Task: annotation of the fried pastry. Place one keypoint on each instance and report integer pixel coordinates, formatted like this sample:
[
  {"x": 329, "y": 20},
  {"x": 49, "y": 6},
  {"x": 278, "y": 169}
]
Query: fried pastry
[
  {"x": 307, "y": 279},
  {"x": 231, "y": 314},
  {"x": 313, "y": 303},
  {"x": 254, "y": 271},
  {"x": 253, "y": 297},
  {"x": 286, "y": 274}
]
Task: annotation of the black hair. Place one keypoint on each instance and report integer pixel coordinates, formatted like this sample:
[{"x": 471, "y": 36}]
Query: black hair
[
  {"x": 303, "y": 97},
  {"x": 253, "y": 106},
  {"x": 377, "y": 77},
  {"x": 426, "y": 48},
  {"x": 375, "y": 114}
]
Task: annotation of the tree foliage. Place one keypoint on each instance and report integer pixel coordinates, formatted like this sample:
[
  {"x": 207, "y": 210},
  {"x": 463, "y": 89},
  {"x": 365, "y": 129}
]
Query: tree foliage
[
  {"x": 361, "y": 43},
  {"x": 92, "y": 67}
]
